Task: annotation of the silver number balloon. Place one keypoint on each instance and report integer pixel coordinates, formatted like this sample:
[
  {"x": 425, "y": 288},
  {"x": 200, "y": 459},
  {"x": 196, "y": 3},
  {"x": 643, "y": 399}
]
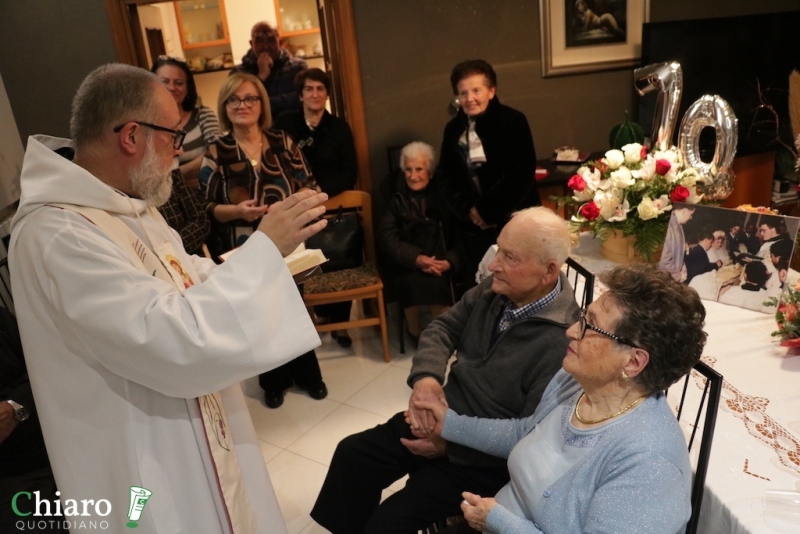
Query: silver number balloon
[
  {"x": 711, "y": 111},
  {"x": 667, "y": 79}
]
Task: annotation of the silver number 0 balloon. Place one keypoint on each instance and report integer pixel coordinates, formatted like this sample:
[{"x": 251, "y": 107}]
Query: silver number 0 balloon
[{"x": 711, "y": 111}]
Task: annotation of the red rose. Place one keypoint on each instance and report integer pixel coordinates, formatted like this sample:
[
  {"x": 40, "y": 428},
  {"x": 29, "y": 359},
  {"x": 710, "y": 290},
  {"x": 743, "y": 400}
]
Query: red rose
[
  {"x": 589, "y": 211},
  {"x": 663, "y": 166},
  {"x": 576, "y": 183},
  {"x": 679, "y": 194},
  {"x": 643, "y": 153}
]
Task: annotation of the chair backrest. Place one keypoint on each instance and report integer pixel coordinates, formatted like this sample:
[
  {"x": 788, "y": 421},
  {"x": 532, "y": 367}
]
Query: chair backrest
[
  {"x": 393, "y": 157},
  {"x": 582, "y": 281},
  {"x": 712, "y": 390},
  {"x": 5, "y": 286},
  {"x": 360, "y": 201}
]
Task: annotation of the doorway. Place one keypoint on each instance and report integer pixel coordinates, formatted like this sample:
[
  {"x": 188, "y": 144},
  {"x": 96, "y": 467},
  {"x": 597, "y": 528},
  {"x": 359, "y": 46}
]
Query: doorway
[{"x": 336, "y": 33}]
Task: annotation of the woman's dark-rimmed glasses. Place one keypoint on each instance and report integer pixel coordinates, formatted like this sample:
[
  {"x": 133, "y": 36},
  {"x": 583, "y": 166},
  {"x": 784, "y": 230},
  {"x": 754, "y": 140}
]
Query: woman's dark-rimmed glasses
[
  {"x": 236, "y": 103},
  {"x": 583, "y": 324},
  {"x": 178, "y": 135}
]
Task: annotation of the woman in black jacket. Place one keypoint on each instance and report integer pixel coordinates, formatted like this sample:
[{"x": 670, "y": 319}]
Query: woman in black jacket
[
  {"x": 488, "y": 161},
  {"x": 327, "y": 144},
  {"x": 417, "y": 237}
]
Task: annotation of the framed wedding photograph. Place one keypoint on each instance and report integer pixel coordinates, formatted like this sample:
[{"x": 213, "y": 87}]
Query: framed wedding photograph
[
  {"x": 740, "y": 258},
  {"x": 581, "y": 36}
]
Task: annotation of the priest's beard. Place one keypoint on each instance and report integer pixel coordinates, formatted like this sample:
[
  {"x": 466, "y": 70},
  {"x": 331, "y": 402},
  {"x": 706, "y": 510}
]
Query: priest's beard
[{"x": 149, "y": 180}]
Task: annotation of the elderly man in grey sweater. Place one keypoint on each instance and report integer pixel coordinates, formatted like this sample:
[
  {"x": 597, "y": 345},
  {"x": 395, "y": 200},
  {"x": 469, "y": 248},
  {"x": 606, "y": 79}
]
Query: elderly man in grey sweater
[{"x": 509, "y": 337}]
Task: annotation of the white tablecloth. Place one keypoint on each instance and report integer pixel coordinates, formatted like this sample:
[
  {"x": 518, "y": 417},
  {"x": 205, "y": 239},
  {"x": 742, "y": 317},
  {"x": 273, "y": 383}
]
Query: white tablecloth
[
  {"x": 757, "y": 440},
  {"x": 756, "y": 445}
]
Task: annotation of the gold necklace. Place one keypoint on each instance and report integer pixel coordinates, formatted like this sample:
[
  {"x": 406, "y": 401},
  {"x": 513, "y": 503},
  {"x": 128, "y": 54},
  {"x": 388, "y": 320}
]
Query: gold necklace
[
  {"x": 253, "y": 161},
  {"x": 622, "y": 411}
]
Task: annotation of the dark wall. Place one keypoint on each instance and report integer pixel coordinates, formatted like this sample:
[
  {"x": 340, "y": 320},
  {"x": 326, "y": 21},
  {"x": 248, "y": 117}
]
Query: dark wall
[
  {"x": 48, "y": 47},
  {"x": 407, "y": 48}
]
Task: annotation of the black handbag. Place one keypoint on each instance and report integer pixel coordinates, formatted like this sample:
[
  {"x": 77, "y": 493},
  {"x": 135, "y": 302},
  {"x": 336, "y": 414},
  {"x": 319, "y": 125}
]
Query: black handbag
[{"x": 342, "y": 241}]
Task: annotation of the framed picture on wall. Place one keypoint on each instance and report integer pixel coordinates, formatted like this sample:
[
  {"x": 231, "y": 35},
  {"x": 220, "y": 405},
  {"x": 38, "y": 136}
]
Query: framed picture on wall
[{"x": 591, "y": 35}]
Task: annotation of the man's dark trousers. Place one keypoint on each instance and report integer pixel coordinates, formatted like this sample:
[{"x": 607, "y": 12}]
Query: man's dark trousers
[{"x": 366, "y": 463}]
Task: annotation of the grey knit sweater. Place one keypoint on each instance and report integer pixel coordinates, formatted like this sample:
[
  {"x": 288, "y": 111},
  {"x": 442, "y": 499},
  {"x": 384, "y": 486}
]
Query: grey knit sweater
[{"x": 495, "y": 377}]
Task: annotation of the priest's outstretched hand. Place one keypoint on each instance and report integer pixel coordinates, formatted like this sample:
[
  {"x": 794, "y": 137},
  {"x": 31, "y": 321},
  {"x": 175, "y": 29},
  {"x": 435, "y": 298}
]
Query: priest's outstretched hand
[{"x": 287, "y": 222}]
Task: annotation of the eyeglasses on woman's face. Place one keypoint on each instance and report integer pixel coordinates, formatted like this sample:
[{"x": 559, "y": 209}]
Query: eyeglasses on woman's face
[
  {"x": 177, "y": 135},
  {"x": 583, "y": 325},
  {"x": 248, "y": 101}
]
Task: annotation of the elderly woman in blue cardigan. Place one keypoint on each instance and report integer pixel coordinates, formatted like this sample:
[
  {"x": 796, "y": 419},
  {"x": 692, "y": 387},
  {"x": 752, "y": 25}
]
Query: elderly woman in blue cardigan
[{"x": 603, "y": 452}]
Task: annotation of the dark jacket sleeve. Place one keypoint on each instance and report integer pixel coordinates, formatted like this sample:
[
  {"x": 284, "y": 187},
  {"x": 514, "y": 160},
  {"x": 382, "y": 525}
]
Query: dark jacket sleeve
[
  {"x": 345, "y": 176},
  {"x": 508, "y": 175},
  {"x": 451, "y": 173},
  {"x": 398, "y": 251},
  {"x": 332, "y": 158}
]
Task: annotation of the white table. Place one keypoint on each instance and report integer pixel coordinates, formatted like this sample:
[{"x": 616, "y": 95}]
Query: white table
[{"x": 756, "y": 444}]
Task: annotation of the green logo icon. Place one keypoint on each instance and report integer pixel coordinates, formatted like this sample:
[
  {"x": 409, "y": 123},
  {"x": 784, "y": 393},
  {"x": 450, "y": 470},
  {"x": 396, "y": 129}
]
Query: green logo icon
[{"x": 139, "y": 498}]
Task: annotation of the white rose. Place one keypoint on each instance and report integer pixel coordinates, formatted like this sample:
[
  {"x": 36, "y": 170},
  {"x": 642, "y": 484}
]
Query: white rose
[
  {"x": 633, "y": 153},
  {"x": 647, "y": 210},
  {"x": 689, "y": 176},
  {"x": 621, "y": 178},
  {"x": 614, "y": 158}
]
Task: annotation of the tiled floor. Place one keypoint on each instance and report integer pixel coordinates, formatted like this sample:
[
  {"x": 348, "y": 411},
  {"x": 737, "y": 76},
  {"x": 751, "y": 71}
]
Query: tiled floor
[{"x": 298, "y": 439}]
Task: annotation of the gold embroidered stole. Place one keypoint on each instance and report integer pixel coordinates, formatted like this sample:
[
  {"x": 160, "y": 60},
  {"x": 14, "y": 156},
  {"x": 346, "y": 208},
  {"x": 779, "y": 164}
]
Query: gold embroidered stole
[{"x": 217, "y": 431}]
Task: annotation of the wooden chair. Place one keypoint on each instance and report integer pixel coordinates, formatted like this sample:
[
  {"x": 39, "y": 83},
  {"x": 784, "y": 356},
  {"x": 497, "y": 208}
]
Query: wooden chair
[
  {"x": 712, "y": 390},
  {"x": 352, "y": 284}
]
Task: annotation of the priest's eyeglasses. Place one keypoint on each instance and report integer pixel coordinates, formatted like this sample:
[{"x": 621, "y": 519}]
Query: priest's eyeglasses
[
  {"x": 583, "y": 324},
  {"x": 236, "y": 103},
  {"x": 178, "y": 135}
]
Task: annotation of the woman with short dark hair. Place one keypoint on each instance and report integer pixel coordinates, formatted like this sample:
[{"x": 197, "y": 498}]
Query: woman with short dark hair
[
  {"x": 327, "y": 144},
  {"x": 487, "y": 160}
]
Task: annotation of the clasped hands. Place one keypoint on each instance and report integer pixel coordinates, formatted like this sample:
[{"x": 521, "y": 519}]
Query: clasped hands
[
  {"x": 431, "y": 265},
  {"x": 477, "y": 220},
  {"x": 427, "y": 409}
]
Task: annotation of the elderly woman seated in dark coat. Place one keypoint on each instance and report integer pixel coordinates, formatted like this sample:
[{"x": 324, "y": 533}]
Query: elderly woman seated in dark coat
[{"x": 415, "y": 235}]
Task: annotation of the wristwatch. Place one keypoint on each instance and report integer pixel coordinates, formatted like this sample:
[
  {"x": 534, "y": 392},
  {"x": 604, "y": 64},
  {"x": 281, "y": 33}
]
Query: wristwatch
[{"x": 21, "y": 413}]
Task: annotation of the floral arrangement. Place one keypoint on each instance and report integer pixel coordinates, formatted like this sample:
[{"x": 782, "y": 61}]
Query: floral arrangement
[
  {"x": 787, "y": 316},
  {"x": 631, "y": 190}
]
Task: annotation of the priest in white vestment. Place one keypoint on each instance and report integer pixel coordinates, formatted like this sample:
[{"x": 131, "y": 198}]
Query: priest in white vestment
[{"x": 135, "y": 349}]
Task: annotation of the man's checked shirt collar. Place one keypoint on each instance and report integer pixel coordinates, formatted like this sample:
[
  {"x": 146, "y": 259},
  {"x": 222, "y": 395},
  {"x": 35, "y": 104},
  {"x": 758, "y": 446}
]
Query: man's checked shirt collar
[{"x": 511, "y": 315}]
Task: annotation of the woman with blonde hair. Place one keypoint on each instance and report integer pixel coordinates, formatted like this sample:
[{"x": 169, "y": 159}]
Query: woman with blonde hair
[{"x": 244, "y": 172}]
